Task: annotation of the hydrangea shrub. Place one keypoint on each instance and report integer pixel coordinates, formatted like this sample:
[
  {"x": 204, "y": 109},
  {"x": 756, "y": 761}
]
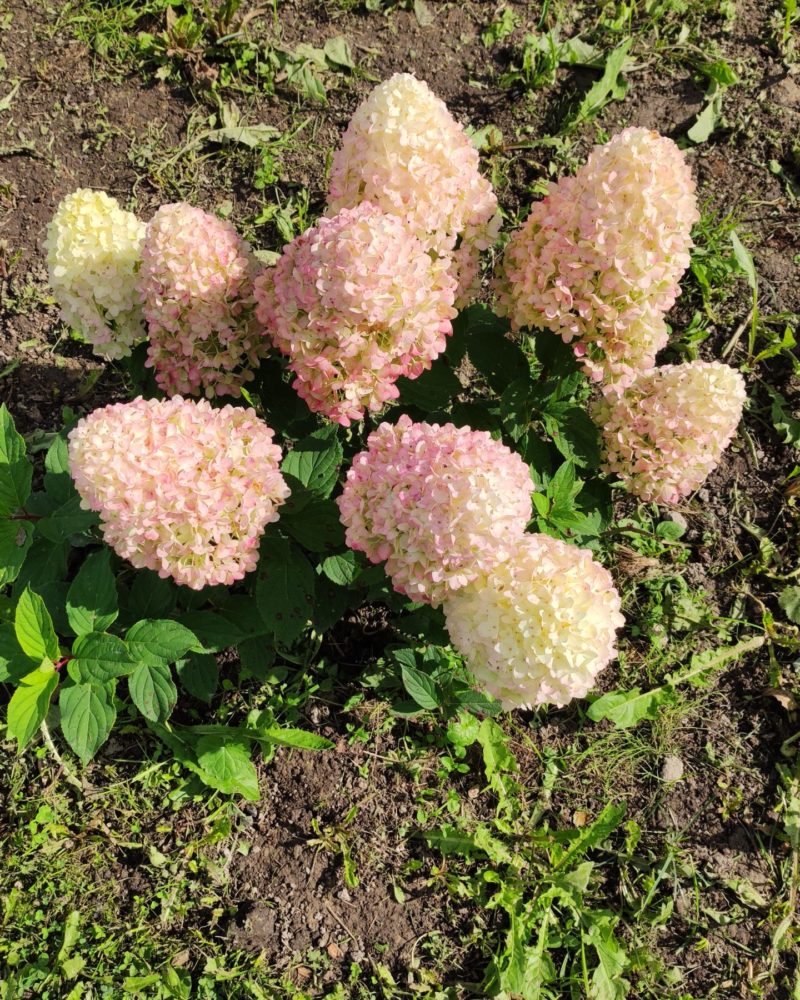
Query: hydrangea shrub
[
  {"x": 599, "y": 258},
  {"x": 196, "y": 284},
  {"x": 93, "y": 252},
  {"x": 666, "y": 432},
  {"x": 540, "y": 626},
  {"x": 354, "y": 303},
  {"x": 438, "y": 504},
  {"x": 404, "y": 152},
  {"x": 181, "y": 488}
]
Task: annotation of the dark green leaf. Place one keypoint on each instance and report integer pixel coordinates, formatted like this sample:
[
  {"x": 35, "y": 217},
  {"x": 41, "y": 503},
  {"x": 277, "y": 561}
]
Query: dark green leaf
[
  {"x": 420, "y": 686},
  {"x": 199, "y": 675},
  {"x": 14, "y": 664},
  {"x": 66, "y": 520},
  {"x": 315, "y": 462},
  {"x": 257, "y": 657},
  {"x": 784, "y": 423},
  {"x": 45, "y": 562},
  {"x": 151, "y": 596},
  {"x": 87, "y": 717},
  {"x": 16, "y": 471},
  {"x": 15, "y": 543},
  {"x": 92, "y": 597},
  {"x": 608, "y": 88},
  {"x": 214, "y": 632},
  {"x": 316, "y": 526},
  {"x": 153, "y": 691},
  {"x": 284, "y": 589},
  {"x": 57, "y": 479},
  {"x": 160, "y": 641},
  {"x": 342, "y": 569},
  {"x": 99, "y": 658},
  {"x": 433, "y": 390},
  {"x": 34, "y": 627}
]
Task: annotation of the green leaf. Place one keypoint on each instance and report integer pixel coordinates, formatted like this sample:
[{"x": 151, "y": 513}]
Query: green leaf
[
  {"x": 745, "y": 260},
  {"x": 99, "y": 658},
  {"x": 789, "y": 602},
  {"x": 15, "y": 542},
  {"x": 14, "y": 664},
  {"x": 702, "y": 664},
  {"x": 627, "y": 708},
  {"x": 420, "y": 686},
  {"x": 342, "y": 569},
  {"x": 316, "y": 526},
  {"x": 483, "y": 336},
  {"x": 607, "y": 981},
  {"x": 65, "y": 520},
  {"x": 315, "y": 462},
  {"x": 57, "y": 478},
  {"x": 708, "y": 118},
  {"x": 151, "y": 596},
  {"x": 337, "y": 51},
  {"x": 214, "y": 631},
  {"x": 160, "y": 641},
  {"x": 592, "y": 835},
  {"x": 227, "y": 766},
  {"x": 433, "y": 390},
  {"x": 16, "y": 470},
  {"x": 153, "y": 691},
  {"x": 257, "y": 657},
  {"x": 782, "y": 420},
  {"x": 284, "y": 589},
  {"x": 87, "y": 717},
  {"x": 288, "y": 737},
  {"x": 199, "y": 674},
  {"x": 497, "y": 758},
  {"x": 608, "y": 88},
  {"x": 30, "y": 702},
  {"x": 34, "y": 627},
  {"x": 92, "y": 597}
]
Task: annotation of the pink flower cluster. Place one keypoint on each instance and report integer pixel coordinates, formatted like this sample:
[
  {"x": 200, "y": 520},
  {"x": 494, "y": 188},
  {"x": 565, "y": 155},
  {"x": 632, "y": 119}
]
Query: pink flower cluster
[
  {"x": 438, "y": 504},
  {"x": 404, "y": 152},
  {"x": 181, "y": 488},
  {"x": 196, "y": 284},
  {"x": 599, "y": 259},
  {"x": 540, "y": 626},
  {"x": 354, "y": 303},
  {"x": 666, "y": 432}
]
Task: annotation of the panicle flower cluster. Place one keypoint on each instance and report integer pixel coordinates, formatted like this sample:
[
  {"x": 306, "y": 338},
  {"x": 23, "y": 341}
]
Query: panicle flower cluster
[
  {"x": 181, "y": 488},
  {"x": 438, "y": 504},
  {"x": 665, "y": 433},
  {"x": 196, "y": 283},
  {"x": 404, "y": 152},
  {"x": 93, "y": 253},
  {"x": 599, "y": 258},
  {"x": 540, "y": 626},
  {"x": 354, "y": 303}
]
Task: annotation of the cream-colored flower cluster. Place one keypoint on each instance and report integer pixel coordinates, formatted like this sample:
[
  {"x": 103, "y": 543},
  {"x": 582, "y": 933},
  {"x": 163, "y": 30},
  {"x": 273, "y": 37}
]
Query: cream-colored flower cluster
[
  {"x": 93, "y": 253},
  {"x": 599, "y": 258},
  {"x": 666, "y": 432},
  {"x": 404, "y": 152},
  {"x": 540, "y": 626}
]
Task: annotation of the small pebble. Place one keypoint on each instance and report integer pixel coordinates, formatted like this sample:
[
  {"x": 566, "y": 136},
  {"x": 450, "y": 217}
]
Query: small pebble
[{"x": 672, "y": 769}]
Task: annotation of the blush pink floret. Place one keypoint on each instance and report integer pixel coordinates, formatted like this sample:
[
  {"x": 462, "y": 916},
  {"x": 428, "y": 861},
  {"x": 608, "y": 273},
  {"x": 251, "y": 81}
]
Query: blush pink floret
[
  {"x": 538, "y": 628},
  {"x": 666, "y": 433},
  {"x": 354, "y": 303},
  {"x": 196, "y": 284},
  {"x": 438, "y": 504},
  {"x": 181, "y": 488},
  {"x": 404, "y": 152},
  {"x": 599, "y": 258}
]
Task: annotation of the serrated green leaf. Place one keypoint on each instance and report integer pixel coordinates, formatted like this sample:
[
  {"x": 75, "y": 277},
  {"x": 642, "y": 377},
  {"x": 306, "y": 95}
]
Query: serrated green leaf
[
  {"x": 608, "y": 88},
  {"x": 342, "y": 569},
  {"x": 15, "y": 542},
  {"x": 30, "y": 702},
  {"x": 227, "y": 766},
  {"x": 782, "y": 420},
  {"x": 284, "y": 589},
  {"x": 789, "y": 602},
  {"x": 34, "y": 627},
  {"x": 315, "y": 462},
  {"x": 151, "y": 596},
  {"x": 627, "y": 708},
  {"x": 16, "y": 470},
  {"x": 87, "y": 717},
  {"x": 153, "y": 691},
  {"x": 288, "y": 737},
  {"x": 92, "y": 597},
  {"x": 420, "y": 686},
  {"x": 160, "y": 640},
  {"x": 199, "y": 675},
  {"x": 67, "y": 519},
  {"x": 99, "y": 658},
  {"x": 497, "y": 758},
  {"x": 317, "y": 526},
  {"x": 432, "y": 390}
]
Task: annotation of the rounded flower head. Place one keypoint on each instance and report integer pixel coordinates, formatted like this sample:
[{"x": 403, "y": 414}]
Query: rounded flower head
[
  {"x": 181, "y": 488},
  {"x": 404, "y": 152},
  {"x": 599, "y": 259},
  {"x": 540, "y": 626},
  {"x": 355, "y": 303},
  {"x": 93, "y": 253},
  {"x": 665, "y": 433},
  {"x": 438, "y": 504},
  {"x": 196, "y": 283}
]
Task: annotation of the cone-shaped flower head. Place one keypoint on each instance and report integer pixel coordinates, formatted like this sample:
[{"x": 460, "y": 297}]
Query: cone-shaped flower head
[
  {"x": 404, "y": 152},
  {"x": 355, "y": 303},
  {"x": 181, "y": 488},
  {"x": 666, "y": 433},
  {"x": 438, "y": 504},
  {"x": 93, "y": 253},
  {"x": 196, "y": 283},
  {"x": 540, "y": 626},
  {"x": 599, "y": 259}
]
